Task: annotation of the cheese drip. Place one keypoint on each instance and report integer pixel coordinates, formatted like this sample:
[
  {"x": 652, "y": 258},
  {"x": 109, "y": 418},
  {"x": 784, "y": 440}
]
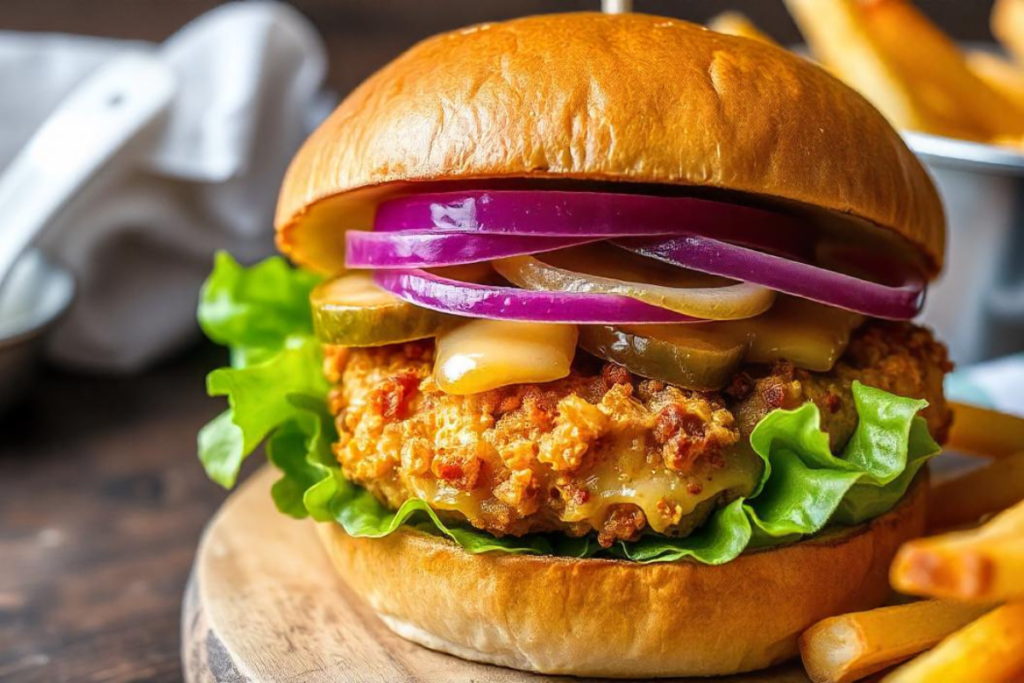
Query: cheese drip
[
  {"x": 624, "y": 474},
  {"x": 665, "y": 496},
  {"x": 486, "y": 354}
]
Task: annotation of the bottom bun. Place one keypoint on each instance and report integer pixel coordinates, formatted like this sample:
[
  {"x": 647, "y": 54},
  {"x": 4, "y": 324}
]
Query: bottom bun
[{"x": 613, "y": 618}]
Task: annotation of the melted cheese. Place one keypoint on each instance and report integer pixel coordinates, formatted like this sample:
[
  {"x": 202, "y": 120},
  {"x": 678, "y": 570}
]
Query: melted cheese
[
  {"x": 665, "y": 496},
  {"x": 623, "y": 475},
  {"x": 440, "y": 496},
  {"x": 487, "y": 354},
  {"x": 810, "y": 335}
]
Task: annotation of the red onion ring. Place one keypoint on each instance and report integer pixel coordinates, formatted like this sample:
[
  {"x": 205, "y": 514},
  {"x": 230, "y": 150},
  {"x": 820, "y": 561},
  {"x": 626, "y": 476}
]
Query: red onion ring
[
  {"x": 433, "y": 230},
  {"x": 419, "y": 249},
  {"x": 550, "y": 213},
  {"x": 896, "y": 302},
  {"x": 429, "y": 290}
]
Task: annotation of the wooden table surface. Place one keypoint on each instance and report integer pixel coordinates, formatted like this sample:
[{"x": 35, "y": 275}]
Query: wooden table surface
[{"x": 102, "y": 502}]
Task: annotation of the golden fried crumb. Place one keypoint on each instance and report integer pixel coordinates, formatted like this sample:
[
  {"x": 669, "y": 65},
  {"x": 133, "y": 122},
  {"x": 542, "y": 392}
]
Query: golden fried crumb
[{"x": 601, "y": 450}]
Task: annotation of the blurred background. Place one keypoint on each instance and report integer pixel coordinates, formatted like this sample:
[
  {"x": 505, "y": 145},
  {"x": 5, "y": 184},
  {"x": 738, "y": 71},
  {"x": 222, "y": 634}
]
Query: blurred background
[
  {"x": 361, "y": 35},
  {"x": 101, "y": 497}
]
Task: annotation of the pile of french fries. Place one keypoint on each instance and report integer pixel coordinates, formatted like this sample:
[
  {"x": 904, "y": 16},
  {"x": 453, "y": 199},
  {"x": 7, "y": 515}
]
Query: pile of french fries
[
  {"x": 910, "y": 70},
  {"x": 970, "y": 627}
]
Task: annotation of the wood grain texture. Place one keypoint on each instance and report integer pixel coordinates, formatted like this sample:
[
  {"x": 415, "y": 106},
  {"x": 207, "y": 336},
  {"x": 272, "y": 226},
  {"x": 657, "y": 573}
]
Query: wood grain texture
[
  {"x": 264, "y": 604},
  {"x": 102, "y": 502}
]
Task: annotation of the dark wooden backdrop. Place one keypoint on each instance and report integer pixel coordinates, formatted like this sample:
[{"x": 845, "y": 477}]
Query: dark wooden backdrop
[{"x": 364, "y": 34}]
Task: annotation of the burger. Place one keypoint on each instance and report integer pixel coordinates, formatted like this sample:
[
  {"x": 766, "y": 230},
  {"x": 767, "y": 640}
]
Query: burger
[{"x": 594, "y": 354}]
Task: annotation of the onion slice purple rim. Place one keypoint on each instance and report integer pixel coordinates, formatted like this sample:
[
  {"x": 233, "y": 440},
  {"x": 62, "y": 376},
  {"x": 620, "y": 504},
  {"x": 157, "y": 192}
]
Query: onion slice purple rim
[
  {"x": 429, "y": 290},
  {"x": 454, "y": 228},
  {"x": 901, "y": 302},
  {"x": 551, "y": 213},
  {"x": 426, "y": 249}
]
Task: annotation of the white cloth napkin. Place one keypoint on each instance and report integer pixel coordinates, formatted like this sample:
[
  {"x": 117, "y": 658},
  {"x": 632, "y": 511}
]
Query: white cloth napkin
[{"x": 140, "y": 240}]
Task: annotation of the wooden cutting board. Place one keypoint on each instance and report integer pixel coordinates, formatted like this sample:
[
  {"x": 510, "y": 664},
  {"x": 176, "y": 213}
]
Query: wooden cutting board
[{"x": 264, "y": 604}]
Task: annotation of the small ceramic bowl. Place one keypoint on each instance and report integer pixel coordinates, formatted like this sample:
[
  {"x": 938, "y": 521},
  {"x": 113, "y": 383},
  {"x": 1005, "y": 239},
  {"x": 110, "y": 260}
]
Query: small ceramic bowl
[{"x": 34, "y": 297}]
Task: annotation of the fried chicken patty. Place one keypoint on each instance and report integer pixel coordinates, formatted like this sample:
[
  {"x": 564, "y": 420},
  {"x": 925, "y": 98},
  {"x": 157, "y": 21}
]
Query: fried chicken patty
[{"x": 601, "y": 450}]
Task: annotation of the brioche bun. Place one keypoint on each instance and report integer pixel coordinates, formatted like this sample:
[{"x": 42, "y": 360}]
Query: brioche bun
[
  {"x": 611, "y": 618},
  {"x": 626, "y": 98}
]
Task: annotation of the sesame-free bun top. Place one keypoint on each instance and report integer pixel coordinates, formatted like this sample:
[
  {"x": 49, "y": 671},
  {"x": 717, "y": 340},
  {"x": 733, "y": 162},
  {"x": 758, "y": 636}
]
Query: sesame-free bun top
[{"x": 599, "y": 97}]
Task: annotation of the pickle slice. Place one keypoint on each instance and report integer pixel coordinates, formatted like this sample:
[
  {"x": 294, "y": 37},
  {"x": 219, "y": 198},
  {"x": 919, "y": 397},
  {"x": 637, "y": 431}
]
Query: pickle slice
[
  {"x": 810, "y": 335},
  {"x": 353, "y": 311},
  {"x": 704, "y": 356},
  {"x": 683, "y": 355}
]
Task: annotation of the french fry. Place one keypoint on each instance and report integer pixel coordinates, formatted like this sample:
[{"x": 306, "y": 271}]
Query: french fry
[
  {"x": 985, "y": 432},
  {"x": 1004, "y": 76},
  {"x": 906, "y": 66},
  {"x": 966, "y": 498},
  {"x": 737, "y": 24},
  {"x": 852, "y": 646},
  {"x": 999, "y": 73},
  {"x": 990, "y": 649},
  {"x": 936, "y": 65},
  {"x": 1008, "y": 26},
  {"x": 1016, "y": 141},
  {"x": 985, "y": 564},
  {"x": 839, "y": 38}
]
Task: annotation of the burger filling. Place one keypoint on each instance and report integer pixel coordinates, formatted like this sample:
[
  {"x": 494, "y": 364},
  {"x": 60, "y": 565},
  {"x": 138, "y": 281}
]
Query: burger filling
[
  {"x": 645, "y": 376},
  {"x": 602, "y": 450}
]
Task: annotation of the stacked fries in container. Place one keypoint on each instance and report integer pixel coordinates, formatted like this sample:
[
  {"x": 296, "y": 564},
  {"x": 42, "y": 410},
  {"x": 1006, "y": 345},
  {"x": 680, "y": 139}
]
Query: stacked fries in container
[
  {"x": 970, "y": 626},
  {"x": 910, "y": 70}
]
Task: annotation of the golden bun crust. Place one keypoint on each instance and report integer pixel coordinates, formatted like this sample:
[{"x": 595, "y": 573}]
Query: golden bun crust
[
  {"x": 595, "y": 97},
  {"x": 619, "y": 619}
]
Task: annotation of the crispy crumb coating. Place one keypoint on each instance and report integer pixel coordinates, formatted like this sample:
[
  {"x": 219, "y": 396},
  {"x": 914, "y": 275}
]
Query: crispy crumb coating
[{"x": 602, "y": 450}]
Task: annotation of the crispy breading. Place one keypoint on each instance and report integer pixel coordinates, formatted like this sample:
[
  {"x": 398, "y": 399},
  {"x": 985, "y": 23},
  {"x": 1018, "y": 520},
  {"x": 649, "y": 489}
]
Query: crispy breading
[
  {"x": 601, "y": 450},
  {"x": 900, "y": 358}
]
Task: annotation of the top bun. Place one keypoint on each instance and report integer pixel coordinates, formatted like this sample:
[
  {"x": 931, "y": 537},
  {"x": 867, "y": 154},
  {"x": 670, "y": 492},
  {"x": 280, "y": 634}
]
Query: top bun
[{"x": 601, "y": 97}]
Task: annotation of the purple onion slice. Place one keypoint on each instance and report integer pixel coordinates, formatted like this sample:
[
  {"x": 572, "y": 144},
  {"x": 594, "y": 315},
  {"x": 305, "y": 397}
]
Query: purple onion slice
[
  {"x": 473, "y": 300},
  {"x": 900, "y": 301}
]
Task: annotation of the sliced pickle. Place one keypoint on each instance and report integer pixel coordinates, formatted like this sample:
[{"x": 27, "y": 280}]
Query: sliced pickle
[
  {"x": 690, "y": 358},
  {"x": 602, "y": 269},
  {"x": 810, "y": 335},
  {"x": 486, "y": 354},
  {"x": 353, "y": 311},
  {"x": 703, "y": 356}
]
